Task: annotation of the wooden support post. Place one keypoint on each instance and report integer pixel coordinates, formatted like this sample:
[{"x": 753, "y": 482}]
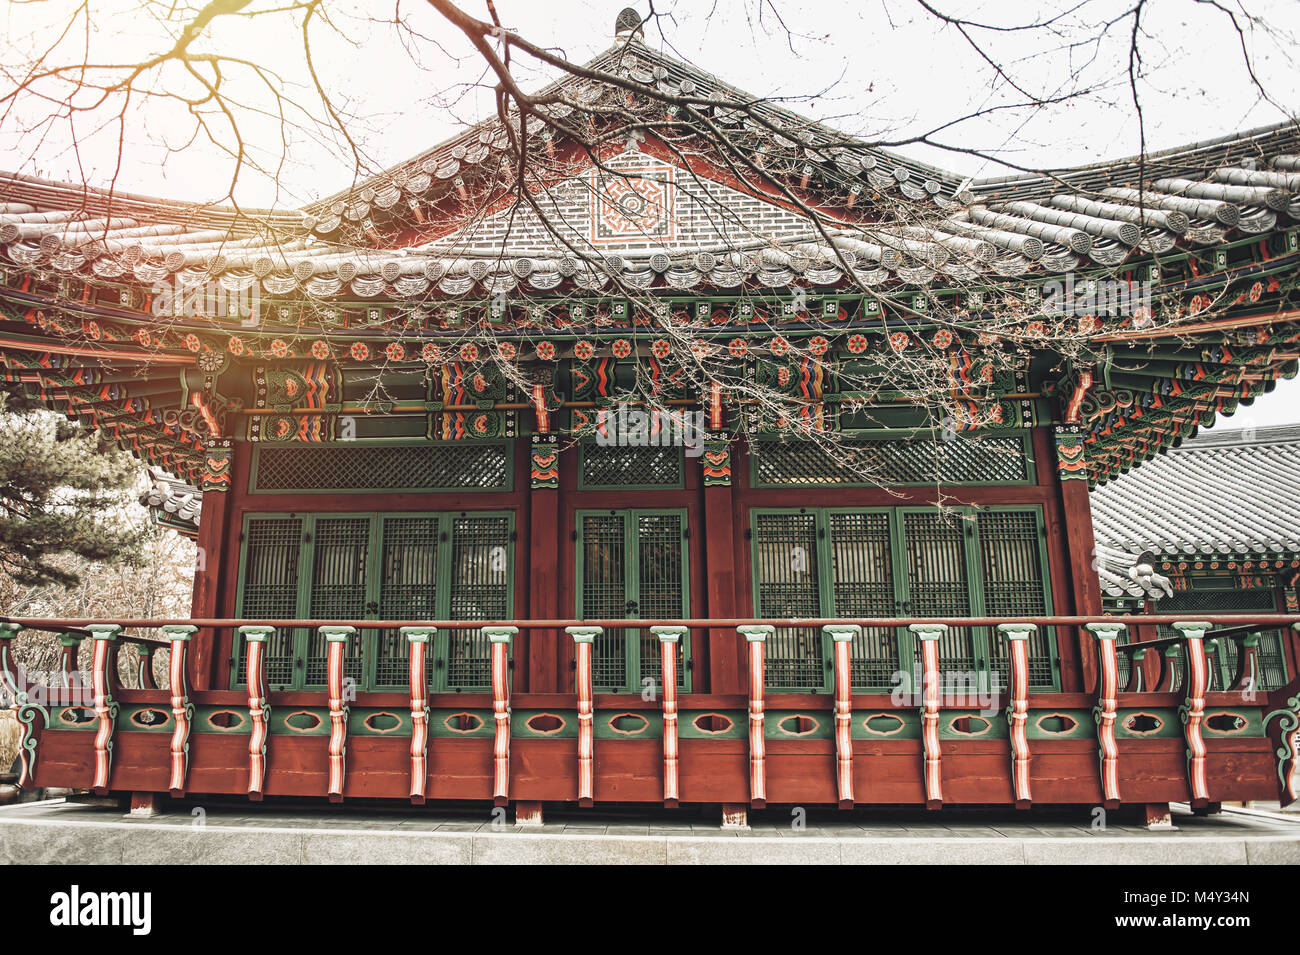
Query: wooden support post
[
  {"x": 336, "y": 650},
  {"x": 583, "y": 644},
  {"x": 1076, "y": 513},
  {"x": 669, "y": 637},
  {"x": 499, "y": 639},
  {"x": 1017, "y": 635},
  {"x": 928, "y": 634},
  {"x": 144, "y": 678},
  {"x": 1246, "y": 679},
  {"x": 103, "y": 672},
  {"x": 32, "y": 715},
  {"x": 1156, "y": 815},
  {"x": 755, "y": 638},
  {"x": 725, "y": 666},
  {"x": 1136, "y": 672},
  {"x": 178, "y": 638},
  {"x": 1105, "y": 710},
  {"x": 145, "y": 805},
  {"x": 735, "y": 816},
  {"x": 259, "y": 712},
  {"x": 214, "y": 518},
  {"x": 1170, "y": 673},
  {"x": 542, "y": 647},
  {"x": 528, "y": 813},
  {"x": 842, "y": 637},
  {"x": 1192, "y": 711},
  {"x": 417, "y": 639}
]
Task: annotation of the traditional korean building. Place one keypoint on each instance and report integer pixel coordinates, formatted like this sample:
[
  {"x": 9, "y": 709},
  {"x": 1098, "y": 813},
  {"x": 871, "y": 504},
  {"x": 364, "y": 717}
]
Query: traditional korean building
[{"x": 429, "y": 572}]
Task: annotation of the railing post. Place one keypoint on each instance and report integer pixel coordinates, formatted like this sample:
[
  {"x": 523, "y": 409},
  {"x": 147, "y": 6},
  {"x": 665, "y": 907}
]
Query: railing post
[
  {"x": 1170, "y": 672},
  {"x": 32, "y": 715},
  {"x": 178, "y": 639},
  {"x": 584, "y": 639},
  {"x": 928, "y": 634},
  {"x": 144, "y": 678},
  {"x": 1136, "y": 676},
  {"x": 755, "y": 637},
  {"x": 842, "y": 637},
  {"x": 336, "y": 648},
  {"x": 669, "y": 637},
  {"x": 1104, "y": 712},
  {"x": 1285, "y": 737},
  {"x": 499, "y": 638},
  {"x": 69, "y": 644},
  {"x": 104, "y": 679},
  {"x": 417, "y": 639},
  {"x": 1017, "y": 635},
  {"x": 1192, "y": 711},
  {"x": 1246, "y": 678},
  {"x": 259, "y": 712}
]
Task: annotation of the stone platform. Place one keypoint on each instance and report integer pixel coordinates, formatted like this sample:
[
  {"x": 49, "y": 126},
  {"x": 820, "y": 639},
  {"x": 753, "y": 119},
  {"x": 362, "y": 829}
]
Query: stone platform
[{"x": 57, "y": 831}]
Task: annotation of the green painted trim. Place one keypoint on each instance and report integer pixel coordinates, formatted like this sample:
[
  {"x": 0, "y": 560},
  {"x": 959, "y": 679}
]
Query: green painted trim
[
  {"x": 505, "y": 488},
  {"x": 584, "y": 485}
]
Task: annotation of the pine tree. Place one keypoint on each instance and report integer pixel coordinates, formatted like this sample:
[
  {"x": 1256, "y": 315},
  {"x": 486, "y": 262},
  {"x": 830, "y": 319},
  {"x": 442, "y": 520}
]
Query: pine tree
[{"x": 62, "y": 488}]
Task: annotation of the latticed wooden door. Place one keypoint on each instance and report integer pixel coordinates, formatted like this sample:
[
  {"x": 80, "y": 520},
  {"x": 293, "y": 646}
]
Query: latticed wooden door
[
  {"x": 632, "y": 564},
  {"x": 378, "y": 566}
]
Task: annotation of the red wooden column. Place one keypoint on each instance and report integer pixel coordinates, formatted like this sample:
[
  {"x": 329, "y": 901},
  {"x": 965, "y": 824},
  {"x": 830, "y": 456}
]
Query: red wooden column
[
  {"x": 842, "y": 641},
  {"x": 669, "y": 637},
  {"x": 1072, "y": 470},
  {"x": 1193, "y": 709},
  {"x": 1105, "y": 711},
  {"x": 103, "y": 673},
  {"x": 499, "y": 638},
  {"x": 725, "y": 667},
  {"x": 543, "y": 646},
  {"x": 928, "y": 634},
  {"x": 178, "y": 638},
  {"x": 584, "y": 639},
  {"x": 212, "y": 559},
  {"x": 1017, "y": 636},
  {"x": 755, "y": 638}
]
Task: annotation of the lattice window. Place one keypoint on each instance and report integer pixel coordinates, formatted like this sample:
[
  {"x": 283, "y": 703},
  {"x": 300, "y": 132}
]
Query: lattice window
[
  {"x": 937, "y": 580},
  {"x": 269, "y": 589},
  {"x": 613, "y": 466},
  {"x": 422, "y": 467},
  {"x": 1011, "y": 565},
  {"x": 987, "y": 460},
  {"x": 1272, "y": 660},
  {"x": 408, "y": 590},
  {"x": 480, "y": 590},
  {"x": 338, "y": 589},
  {"x": 863, "y": 582},
  {"x": 786, "y": 573},
  {"x": 632, "y": 565}
]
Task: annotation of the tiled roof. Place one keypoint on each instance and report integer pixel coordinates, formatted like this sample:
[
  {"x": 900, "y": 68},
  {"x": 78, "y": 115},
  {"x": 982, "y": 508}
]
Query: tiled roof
[
  {"x": 174, "y": 503},
  {"x": 1234, "y": 493}
]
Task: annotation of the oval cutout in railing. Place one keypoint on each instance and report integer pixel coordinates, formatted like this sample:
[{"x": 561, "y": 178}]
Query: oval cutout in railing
[
  {"x": 628, "y": 724},
  {"x": 1227, "y": 723},
  {"x": 149, "y": 717},
  {"x": 302, "y": 722},
  {"x": 382, "y": 722},
  {"x": 463, "y": 722},
  {"x": 225, "y": 720},
  {"x": 1056, "y": 723},
  {"x": 883, "y": 724},
  {"x": 798, "y": 725},
  {"x": 1143, "y": 724},
  {"x": 712, "y": 723},
  {"x": 969, "y": 725},
  {"x": 545, "y": 724},
  {"x": 76, "y": 715}
]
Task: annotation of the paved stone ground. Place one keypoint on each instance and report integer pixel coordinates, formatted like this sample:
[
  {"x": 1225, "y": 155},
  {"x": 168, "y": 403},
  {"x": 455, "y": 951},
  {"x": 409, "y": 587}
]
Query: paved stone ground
[{"x": 56, "y": 831}]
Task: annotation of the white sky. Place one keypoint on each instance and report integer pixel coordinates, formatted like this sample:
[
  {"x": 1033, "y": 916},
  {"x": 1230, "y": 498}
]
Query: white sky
[{"x": 882, "y": 69}]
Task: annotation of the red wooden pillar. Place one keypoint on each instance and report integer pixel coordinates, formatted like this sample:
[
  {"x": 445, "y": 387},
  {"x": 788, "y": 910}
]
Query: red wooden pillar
[
  {"x": 1076, "y": 507},
  {"x": 542, "y": 646},
  {"x": 725, "y": 667},
  {"x": 212, "y": 559}
]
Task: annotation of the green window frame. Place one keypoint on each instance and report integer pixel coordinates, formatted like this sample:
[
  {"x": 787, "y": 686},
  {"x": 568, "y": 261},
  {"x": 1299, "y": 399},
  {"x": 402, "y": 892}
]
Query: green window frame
[
  {"x": 444, "y": 565},
  {"x": 859, "y": 563},
  {"x": 629, "y": 564}
]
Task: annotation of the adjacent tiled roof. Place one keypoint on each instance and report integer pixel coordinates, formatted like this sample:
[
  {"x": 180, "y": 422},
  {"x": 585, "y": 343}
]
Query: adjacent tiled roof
[{"x": 1234, "y": 493}]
